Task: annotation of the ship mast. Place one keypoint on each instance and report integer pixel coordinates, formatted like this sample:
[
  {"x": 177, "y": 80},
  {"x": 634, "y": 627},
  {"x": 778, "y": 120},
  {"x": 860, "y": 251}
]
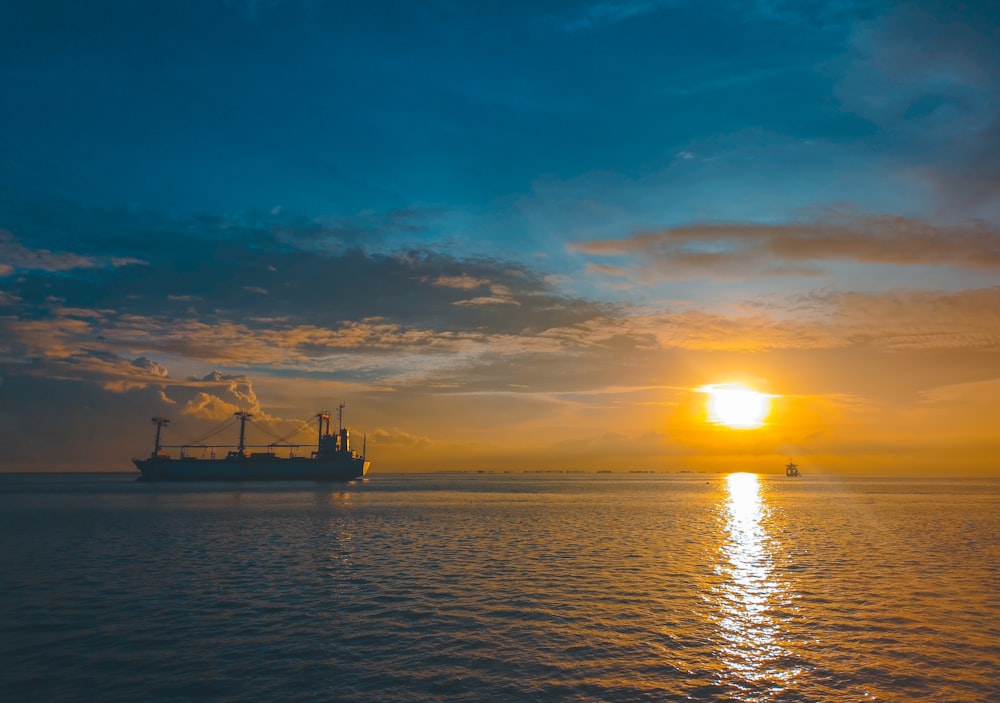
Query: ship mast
[
  {"x": 340, "y": 417},
  {"x": 160, "y": 422},
  {"x": 242, "y": 415}
]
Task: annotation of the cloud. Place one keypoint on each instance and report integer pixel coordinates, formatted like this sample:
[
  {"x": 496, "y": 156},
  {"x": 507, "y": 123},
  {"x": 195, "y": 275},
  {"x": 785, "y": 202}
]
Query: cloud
[
  {"x": 581, "y": 353},
  {"x": 17, "y": 257},
  {"x": 397, "y": 437},
  {"x": 486, "y": 300},
  {"x": 983, "y": 393},
  {"x": 607, "y": 269},
  {"x": 912, "y": 53},
  {"x": 748, "y": 250},
  {"x": 891, "y": 321},
  {"x": 462, "y": 282},
  {"x": 928, "y": 75},
  {"x": 210, "y": 407},
  {"x": 920, "y": 319},
  {"x": 611, "y": 12},
  {"x": 122, "y": 386},
  {"x": 151, "y": 367},
  {"x": 822, "y": 14},
  {"x": 321, "y": 315},
  {"x": 119, "y": 374},
  {"x": 377, "y": 231},
  {"x": 164, "y": 398},
  {"x": 239, "y": 386},
  {"x": 501, "y": 295}
]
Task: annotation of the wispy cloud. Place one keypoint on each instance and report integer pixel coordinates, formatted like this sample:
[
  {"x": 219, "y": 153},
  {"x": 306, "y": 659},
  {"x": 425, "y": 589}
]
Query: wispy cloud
[
  {"x": 462, "y": 282},
  {"x": 611, "y": 12},
  {"x": 892, "y": 321},
  {"x": 927, "y": 75},
  {"x": 748, "y": 250},
  {"x": 396, "y": 436},
  {"x": 920, "y": 319},
  {"x": 17, "y": 257},
  {"x": 487, "y": 300},
  {"x": 607, "y": 269}
]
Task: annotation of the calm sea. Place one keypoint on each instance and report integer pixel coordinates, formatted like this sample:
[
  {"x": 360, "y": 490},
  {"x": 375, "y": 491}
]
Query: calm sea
[{"x": 509, "y": 587}]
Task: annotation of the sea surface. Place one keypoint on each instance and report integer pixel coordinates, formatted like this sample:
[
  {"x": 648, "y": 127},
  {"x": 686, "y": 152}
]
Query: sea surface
[{"x": 501, "y": 587}]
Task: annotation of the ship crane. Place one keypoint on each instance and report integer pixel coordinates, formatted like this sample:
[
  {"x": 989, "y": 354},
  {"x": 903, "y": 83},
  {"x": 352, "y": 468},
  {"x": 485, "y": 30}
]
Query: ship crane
[
  {"x": 324, "y": 423},
  {"x": 243, "y": 415},
  {"x": 160, "y": 422}
]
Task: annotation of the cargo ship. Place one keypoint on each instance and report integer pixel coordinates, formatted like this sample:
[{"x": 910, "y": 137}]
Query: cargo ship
[{"x": 333, "y": 460}]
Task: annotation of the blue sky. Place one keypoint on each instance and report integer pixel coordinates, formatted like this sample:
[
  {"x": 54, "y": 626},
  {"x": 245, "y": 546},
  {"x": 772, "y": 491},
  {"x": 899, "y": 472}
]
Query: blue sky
[{"x": 551, "y": 217}]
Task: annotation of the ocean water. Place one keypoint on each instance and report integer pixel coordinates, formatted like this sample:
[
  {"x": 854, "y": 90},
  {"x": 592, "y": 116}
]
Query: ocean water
[{"x": 509, "y": 587}]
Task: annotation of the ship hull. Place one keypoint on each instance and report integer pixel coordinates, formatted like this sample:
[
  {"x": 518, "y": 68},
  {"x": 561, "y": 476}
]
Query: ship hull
[{"x": 291, "y": 469}]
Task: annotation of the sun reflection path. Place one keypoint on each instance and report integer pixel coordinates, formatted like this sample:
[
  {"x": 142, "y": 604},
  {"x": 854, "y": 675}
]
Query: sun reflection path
[{"x": 748, "y": 594}]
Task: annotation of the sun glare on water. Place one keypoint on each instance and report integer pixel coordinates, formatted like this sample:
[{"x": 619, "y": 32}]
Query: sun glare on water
[{"x": 736, "y": 406}]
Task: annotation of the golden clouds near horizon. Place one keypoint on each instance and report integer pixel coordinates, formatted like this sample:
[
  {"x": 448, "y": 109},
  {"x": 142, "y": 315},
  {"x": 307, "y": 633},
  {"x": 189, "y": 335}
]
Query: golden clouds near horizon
[{"x": 736, "y": 406}]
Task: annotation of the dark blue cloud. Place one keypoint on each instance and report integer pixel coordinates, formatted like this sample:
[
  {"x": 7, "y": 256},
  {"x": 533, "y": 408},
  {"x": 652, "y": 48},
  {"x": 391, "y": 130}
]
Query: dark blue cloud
[{"x": 302, "y": 272}]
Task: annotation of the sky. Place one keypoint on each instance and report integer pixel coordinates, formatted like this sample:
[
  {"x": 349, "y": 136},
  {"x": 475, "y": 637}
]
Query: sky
[{"x": 508, "y": 236}]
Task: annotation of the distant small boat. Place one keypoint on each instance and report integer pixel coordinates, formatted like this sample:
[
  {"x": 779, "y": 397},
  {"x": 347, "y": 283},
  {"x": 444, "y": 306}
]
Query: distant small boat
[{"x": 792, "y": 469}]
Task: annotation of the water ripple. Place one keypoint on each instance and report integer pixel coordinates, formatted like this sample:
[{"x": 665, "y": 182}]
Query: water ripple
[{"x": 515, "y": 588}]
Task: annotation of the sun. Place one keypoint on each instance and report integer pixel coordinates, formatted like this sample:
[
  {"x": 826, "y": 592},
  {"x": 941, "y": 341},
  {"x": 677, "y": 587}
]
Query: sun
[{"x": 734, "y": 405}]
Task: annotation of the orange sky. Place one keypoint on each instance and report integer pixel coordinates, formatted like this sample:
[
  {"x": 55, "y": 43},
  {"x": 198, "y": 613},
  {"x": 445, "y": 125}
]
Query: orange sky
[{"x": 869, "y": 411}]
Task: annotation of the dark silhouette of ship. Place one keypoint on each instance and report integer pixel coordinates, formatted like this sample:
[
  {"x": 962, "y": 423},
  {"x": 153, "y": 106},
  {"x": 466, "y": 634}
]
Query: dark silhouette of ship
[
  {"x": 792, "y": 469},
  {"x": 333, "y": 460}
]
